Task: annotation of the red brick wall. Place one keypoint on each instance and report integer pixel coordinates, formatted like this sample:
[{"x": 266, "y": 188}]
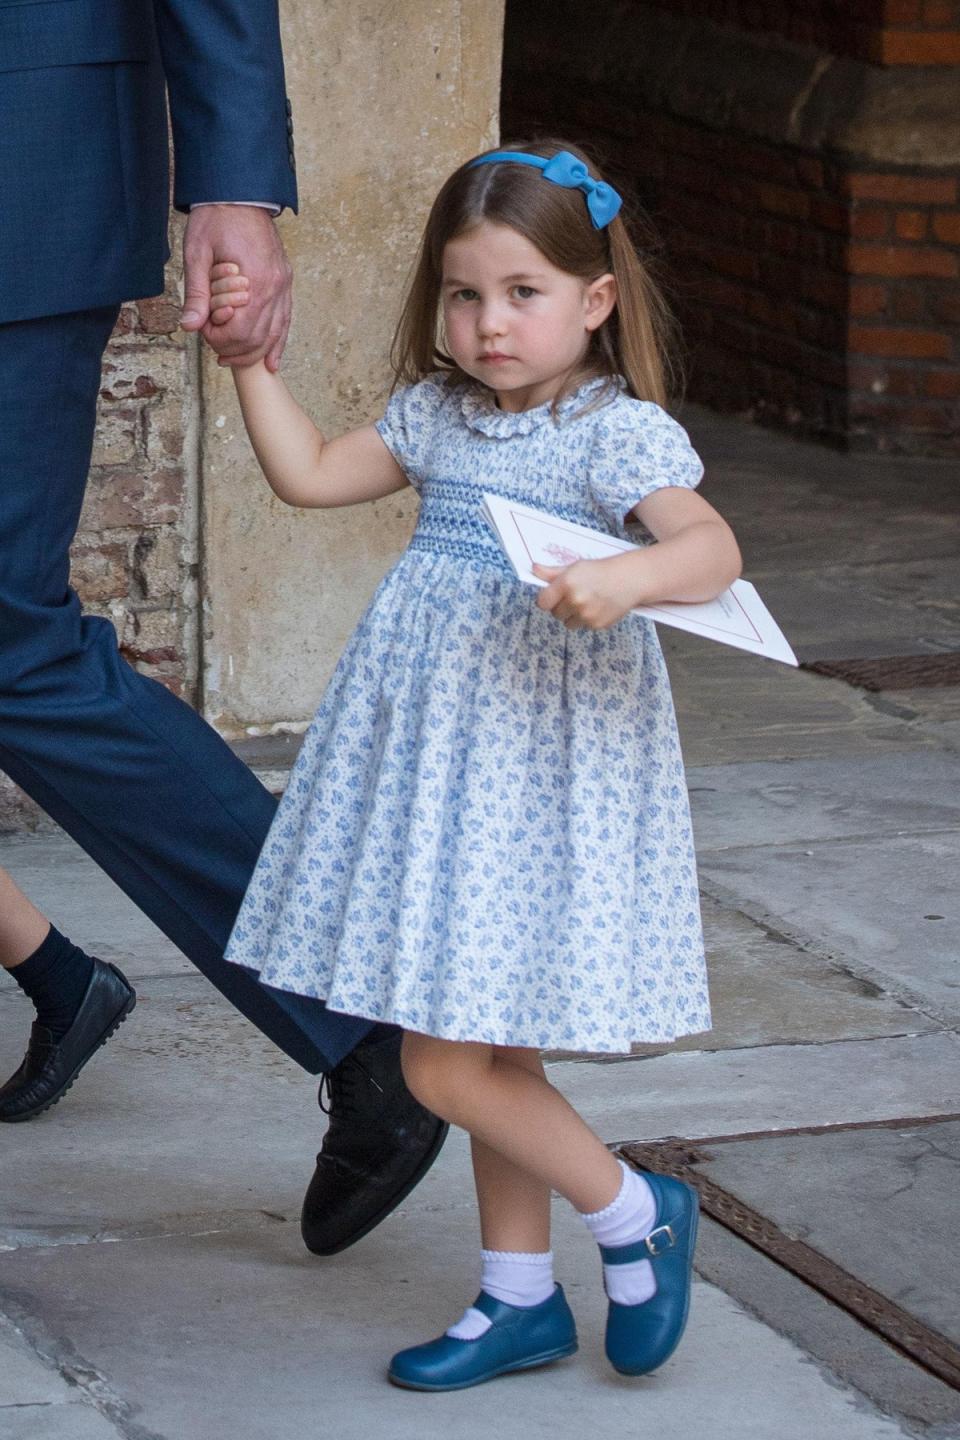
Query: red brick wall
[
  {"x": 810, "y": 294},
  {"x": 886, "y": 32},
  {"x": 814, "y": 290},
  {"x": 133, "y": 559},
  {"x": 903, "y": 258}
]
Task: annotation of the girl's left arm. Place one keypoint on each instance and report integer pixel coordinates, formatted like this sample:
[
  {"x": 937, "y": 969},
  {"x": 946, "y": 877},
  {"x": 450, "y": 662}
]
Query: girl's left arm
[
  {"x": 302, "y": 467},
  {"x": 695, "y": 558}
]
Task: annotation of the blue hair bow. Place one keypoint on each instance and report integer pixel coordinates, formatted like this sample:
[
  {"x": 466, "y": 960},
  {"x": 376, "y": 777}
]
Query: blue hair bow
[{"x": 565, "y": 169}]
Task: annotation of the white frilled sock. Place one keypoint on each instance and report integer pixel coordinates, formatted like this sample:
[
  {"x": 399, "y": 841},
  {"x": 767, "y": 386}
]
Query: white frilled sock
[
  {"x": 628, "y": 1218},
  {"x": 512, "y": 1277}
]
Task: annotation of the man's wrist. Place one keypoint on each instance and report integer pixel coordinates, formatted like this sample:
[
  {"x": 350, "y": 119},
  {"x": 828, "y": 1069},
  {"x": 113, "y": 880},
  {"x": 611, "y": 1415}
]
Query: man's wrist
[{"x": 270, "y": 205}]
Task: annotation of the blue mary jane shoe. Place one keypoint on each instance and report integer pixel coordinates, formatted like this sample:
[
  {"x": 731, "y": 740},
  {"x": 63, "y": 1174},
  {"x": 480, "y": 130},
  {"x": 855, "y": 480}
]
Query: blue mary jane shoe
[
  {"x": 518, "y": 1339},
  {"x": 640, "y": 1337}
]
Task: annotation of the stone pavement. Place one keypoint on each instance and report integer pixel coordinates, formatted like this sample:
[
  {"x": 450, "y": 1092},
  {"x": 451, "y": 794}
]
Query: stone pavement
[{"x": 152, "y": 1281}]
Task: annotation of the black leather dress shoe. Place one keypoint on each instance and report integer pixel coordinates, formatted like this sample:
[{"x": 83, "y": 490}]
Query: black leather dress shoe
[
  {"x": 380, "y": 1143},
  {"x": 50, "y": 1066}
]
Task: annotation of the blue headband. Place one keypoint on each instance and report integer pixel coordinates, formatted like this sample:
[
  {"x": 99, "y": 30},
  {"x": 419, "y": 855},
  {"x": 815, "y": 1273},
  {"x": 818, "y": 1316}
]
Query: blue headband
[{"x": 565, "y": 169}]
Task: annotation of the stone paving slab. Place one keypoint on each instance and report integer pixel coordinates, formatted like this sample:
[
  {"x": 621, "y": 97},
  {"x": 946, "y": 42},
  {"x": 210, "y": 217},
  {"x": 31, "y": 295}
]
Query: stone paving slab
[
  {"x": 800, "y": 506},
  {"x": 928, "y": 582},
  {"x": 815, "y": 800},
  {"x": 772, "y": 1087},
  {"x": 72, "y": 1420},
  {"x": 944, "y": 733},
  {"x": 856, "y": 1355},
  {"x": 188, "y": 1120},
  {"x": 733, "y": 708},
  {"x": 24, "y": 1379},
  {"x": 222, "y": 1336},
  {"x": 137, "y": 1295},
  {"x": 844, "y": 614},
  {"x": 765, "y": 991},
  {"x": 37, "y": 1402},
  {"x": 930, "y": 704},
  {"x": 890, "y": 905},
  {"x": 877, "y": 1202},
  {"x": 932, "y": 713}
]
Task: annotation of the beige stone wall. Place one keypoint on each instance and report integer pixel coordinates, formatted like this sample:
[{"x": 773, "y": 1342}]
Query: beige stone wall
[{"x": 386, "y": 101}]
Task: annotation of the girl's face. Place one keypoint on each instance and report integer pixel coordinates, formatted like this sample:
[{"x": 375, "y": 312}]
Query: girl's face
[{"x": 514, "y": 321}]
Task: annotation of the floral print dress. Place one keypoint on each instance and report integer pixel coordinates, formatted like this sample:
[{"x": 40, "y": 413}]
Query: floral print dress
[{"x": 486, "y": 835}]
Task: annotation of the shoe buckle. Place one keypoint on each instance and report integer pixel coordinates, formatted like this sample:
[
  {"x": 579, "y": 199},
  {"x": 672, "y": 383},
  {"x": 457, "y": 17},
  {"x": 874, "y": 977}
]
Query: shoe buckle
[{"x": 651, "y": 1240}]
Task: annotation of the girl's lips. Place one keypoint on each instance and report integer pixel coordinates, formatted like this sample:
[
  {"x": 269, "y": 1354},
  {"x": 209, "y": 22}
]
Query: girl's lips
[{"x": 494, "y": 357}]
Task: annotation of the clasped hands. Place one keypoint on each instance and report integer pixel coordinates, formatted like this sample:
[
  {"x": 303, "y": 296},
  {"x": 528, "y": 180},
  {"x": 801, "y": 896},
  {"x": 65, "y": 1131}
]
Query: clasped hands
[{"x": 256, "y": 326}]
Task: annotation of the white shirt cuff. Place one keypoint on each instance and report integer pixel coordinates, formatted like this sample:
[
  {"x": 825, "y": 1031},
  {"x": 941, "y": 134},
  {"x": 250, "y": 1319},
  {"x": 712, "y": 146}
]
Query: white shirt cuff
[{"x": 257, "y": 204}]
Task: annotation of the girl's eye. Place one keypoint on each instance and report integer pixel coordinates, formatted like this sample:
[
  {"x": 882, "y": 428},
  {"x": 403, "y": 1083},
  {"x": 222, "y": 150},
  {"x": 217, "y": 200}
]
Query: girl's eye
[
  {"x": 523, "y": 292},
  {"x": 464, "y": 294}
]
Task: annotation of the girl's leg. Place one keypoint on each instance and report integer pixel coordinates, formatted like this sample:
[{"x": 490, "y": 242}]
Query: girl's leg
[
  {"x": 514, "y": 1205},
  {"x": 512, "y": 1109},
  {"x": 522, "y": 1127},
  {"x": 514, "y": 1225},
  {"x": 528, "y": 1140},
  {"x": 520, "y": 1319}
]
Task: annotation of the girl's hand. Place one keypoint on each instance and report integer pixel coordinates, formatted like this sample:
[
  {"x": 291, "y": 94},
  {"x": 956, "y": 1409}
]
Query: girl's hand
[
  {"x": 229, "y": 292},
  {"x": 590, "y": 594}
]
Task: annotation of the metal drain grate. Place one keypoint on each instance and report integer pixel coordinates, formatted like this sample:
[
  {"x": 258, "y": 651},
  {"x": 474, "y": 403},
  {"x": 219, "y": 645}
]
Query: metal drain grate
[
  {"x": 892, "y": 672},
  {"x": 922, "y": 1344}
]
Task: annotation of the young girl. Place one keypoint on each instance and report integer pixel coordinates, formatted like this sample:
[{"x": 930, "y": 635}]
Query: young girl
[{"x": 486, "y": 837}]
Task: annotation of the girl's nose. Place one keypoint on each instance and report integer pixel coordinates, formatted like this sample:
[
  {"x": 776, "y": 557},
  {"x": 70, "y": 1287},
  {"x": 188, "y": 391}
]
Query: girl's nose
[{"x": 490, "y": 321}]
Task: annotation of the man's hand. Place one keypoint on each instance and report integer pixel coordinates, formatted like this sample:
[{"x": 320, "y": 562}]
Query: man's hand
[{"x": 246, "y": 236}]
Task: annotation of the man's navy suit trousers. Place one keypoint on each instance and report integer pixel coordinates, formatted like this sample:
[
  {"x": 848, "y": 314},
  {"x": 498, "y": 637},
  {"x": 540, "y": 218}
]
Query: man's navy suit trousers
[{"x": 148, "y": 789}]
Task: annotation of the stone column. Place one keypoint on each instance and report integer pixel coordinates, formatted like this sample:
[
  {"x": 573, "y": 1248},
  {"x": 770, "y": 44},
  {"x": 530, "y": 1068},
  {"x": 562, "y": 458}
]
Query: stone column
[{"x": 387, "y": 100}]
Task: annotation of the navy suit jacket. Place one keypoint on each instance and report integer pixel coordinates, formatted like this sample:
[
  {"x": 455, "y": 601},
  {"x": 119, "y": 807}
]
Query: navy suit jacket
[{"x": 84, "y": 189}]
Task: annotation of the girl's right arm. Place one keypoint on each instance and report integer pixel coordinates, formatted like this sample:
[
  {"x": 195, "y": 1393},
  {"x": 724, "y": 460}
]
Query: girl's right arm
[{"x": 302, "y": 467}]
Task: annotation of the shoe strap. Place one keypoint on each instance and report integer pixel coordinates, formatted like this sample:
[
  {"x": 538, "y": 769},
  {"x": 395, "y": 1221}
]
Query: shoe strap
[
  {"x": 487, "y": 1305},
  {"x": 652, "y": 1247},
  {"x": 497, "y": 1310}
]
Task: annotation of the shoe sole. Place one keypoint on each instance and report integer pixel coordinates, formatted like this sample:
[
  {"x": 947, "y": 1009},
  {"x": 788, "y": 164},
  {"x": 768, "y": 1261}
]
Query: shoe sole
[
  {"x": 111, "y": 1029},
  {"x": 531, "y": 1363},
  {"x": 395, "y": 1200},
  {"x": 694, "y": 1227}
]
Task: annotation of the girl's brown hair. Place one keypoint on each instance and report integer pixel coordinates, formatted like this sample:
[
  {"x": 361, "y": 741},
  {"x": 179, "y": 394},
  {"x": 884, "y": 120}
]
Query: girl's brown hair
[{"x": 632, "y": 342}]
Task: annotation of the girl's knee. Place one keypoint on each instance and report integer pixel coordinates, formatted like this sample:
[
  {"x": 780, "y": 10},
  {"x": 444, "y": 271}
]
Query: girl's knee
[
  {"x": 524, "y": 1057},
  {"x": 417, "y": 1064},
  {"x": 434, "y": 1070}
]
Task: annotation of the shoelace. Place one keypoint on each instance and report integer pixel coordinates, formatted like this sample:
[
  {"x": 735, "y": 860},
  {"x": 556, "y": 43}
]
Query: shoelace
[{"x": 333, "y": 1089}]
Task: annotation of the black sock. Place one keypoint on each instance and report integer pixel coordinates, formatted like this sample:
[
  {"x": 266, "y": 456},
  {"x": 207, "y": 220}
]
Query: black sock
[{"x": 55, "y": 977}]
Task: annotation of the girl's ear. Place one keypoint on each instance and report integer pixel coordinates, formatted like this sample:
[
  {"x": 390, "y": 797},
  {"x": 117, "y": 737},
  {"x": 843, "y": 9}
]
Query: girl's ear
[{"x": 599, "y": 301}]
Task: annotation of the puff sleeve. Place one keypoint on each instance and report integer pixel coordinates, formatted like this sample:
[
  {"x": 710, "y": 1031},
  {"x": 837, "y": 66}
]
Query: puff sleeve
[
  {"x": 638, "y": 448},
  {"x": 410, "y": 423}
]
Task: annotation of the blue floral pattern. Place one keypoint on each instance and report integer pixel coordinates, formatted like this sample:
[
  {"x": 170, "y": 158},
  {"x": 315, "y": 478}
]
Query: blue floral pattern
[{"x": 486, "y": 835}]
